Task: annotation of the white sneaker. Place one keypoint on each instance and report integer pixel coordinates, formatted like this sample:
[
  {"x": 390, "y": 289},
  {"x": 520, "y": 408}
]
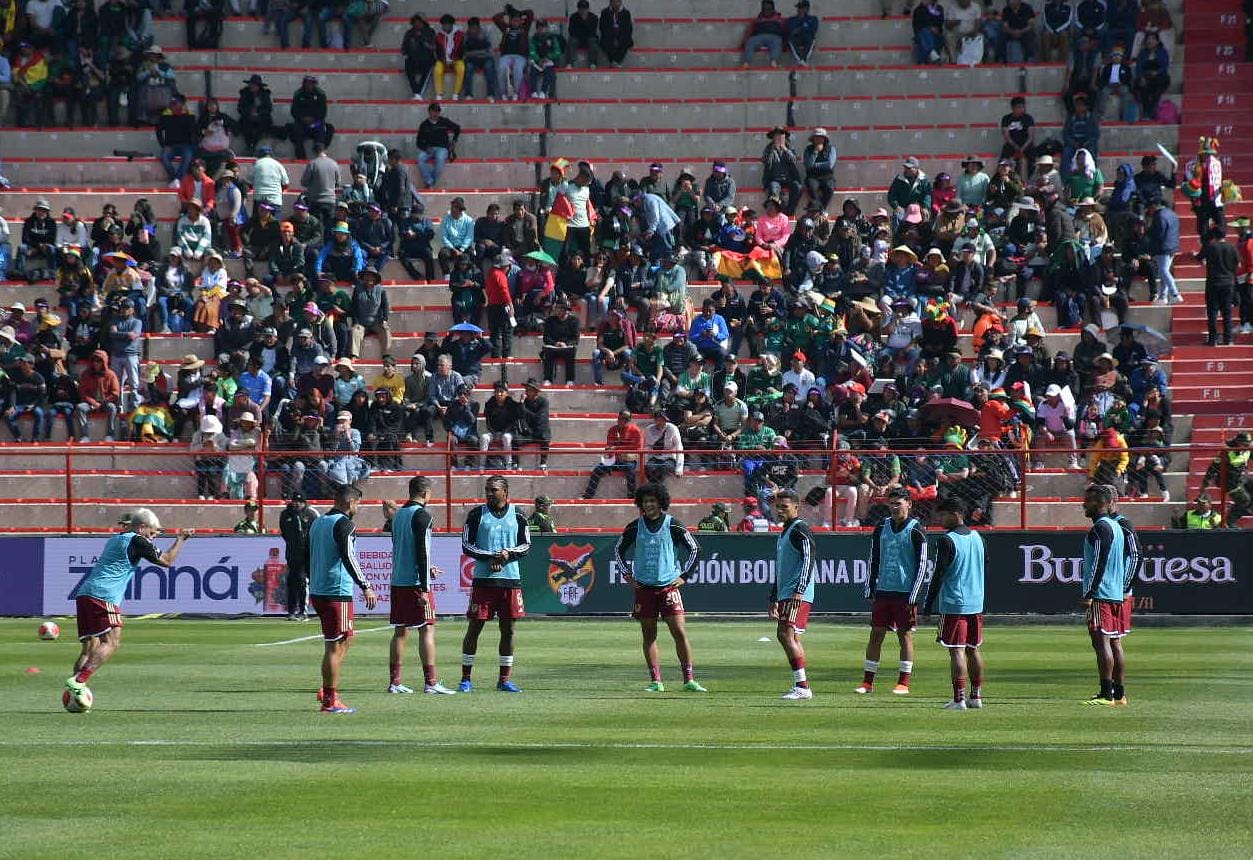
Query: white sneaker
[
  {"x": 1246, "y": 328},
  {"x": 863, "y": 690},
  {"x": 1176, "y": 299},
  {"x": 109, "y": 439},
  {"x": 82, "y": 439},
  {"x": 456, "y": 97},
  {"x": 438, "y": 689},
  {"x": 1165, "y": 496},
  {"x": 1160, "y": 300},
  {"x": 974, "y": 704},
  {"x": 399, "y": 689},
  {"x": 174, "y": 183},
  {"x": 934, "y": 57},
  {"x": 798, "y": 693},
  {"x": 954, "y": 706},
  {"x": 541, "y": 95},
  {"x": 417, "y": 97}
]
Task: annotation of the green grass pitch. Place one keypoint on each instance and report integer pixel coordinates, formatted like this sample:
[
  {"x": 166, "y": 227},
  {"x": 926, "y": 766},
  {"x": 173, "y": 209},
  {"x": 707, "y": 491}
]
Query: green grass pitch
[{"x": 203, "y": 744}]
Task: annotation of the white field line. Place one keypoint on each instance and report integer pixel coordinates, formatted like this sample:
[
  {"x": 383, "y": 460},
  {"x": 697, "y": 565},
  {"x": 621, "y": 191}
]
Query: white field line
[
  {"x": 627, "y": 745},
  {"x": 314, "y": 636}
]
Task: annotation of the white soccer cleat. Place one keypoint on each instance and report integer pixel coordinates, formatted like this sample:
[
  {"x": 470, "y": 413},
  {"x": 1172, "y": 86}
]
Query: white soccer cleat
[
  {"x": 954, "y": 706},
  {"x": 399, "y": 689},
  {"x": 863, "y": 690},
  {"x": 438, "y": 689},
  {"x": 974, "y": 704},
  {"x": 798, "y": 693}
]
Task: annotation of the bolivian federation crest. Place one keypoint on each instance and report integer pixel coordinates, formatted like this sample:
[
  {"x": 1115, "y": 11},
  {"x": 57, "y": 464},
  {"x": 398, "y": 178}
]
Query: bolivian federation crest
[{"x": 571, "y": 573}]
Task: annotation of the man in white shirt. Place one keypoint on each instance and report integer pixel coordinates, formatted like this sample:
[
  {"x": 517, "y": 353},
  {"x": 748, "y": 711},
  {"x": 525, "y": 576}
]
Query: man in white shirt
[
  {"x": 661, "y": 436},
  {"x": 799, "y": 375},
  {"x": 962, "y": 20},
  {"x": 269, "y": 178},
  {"x": 1055, "y": 423},
  {"x": 579, "y": 228}
]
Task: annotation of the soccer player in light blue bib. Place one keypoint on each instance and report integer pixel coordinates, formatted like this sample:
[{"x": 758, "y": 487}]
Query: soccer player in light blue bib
[
  {"x": 496, "y": 536},
  {"x": 655, "y": 542},
  {"x": 1111, "y": 556},
  {"x": 412, "y": 603},
  {"x": 333, "y": 571},
  {"x": 98, "y": 596},
  {"x": 957, "y": 588},
  {"x": 792, "y": 594}
]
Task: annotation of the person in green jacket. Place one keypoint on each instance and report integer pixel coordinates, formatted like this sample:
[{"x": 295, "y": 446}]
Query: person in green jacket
[{"x": 547, "y": 50}]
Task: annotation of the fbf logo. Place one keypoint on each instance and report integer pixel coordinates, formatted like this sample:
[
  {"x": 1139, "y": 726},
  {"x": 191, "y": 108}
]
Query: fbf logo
[{"x": 571, "y": 573}]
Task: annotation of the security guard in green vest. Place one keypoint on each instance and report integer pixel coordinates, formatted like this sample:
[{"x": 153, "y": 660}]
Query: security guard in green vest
[
  {"x": 1202, "y": 515},
  {"x": 540, "y": 521},
  {"x": 248, "y": 525},
  {"x": 716, "y": 521}
]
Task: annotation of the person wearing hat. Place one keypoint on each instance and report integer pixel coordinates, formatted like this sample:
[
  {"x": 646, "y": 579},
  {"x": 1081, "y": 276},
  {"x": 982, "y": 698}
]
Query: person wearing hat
[
  {"x": 717, "y": 522},
  {"x": 370, "y": 311},
  {"x": 342, "y": 257},
  {"x": 193, "y": 233},
  {"x": 780, "y": 170},
  {"x": 719, "y": 188},
  {"x": 800, "y": 31},
  {"x": 308, "y": 112},
  {"x": 256, "y": 103},
  {"x": 1232, "y": 466},
  {"x": 249, "y": 524},
  {"x": 26, "y": 393},
  {"x": 819, "y": 159},
  {"x": 244, "y": 439},
  {"x": 540, "y": 521},
  {"x": 972, "y": 184},
  {"x": 533, "y": 421},
  {"x": 1055, "y": 424},
  {"x": 910, "y": 193},
  {"x": 38, "y": 242}
]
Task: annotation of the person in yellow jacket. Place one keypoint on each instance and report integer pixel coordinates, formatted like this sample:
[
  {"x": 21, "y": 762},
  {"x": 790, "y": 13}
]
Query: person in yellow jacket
[
  {"x": 1108, "y": 459},
  {"x": 1202, "y": 515}
]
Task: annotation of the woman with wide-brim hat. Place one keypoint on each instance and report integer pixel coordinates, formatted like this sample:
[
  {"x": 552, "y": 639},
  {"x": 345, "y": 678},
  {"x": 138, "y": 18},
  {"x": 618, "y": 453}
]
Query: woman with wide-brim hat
[{"x": 819, "y": 160}]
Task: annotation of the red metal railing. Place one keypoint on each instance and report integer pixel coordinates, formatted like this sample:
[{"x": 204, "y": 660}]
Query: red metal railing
[{"x": 98, "y": 482}]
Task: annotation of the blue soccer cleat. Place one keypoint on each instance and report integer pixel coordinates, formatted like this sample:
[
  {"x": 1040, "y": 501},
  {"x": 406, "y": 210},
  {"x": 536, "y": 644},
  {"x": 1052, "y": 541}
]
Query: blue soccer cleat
[
  {"x": 508, "y": 687},
  {"x": 465, "y": 687}
]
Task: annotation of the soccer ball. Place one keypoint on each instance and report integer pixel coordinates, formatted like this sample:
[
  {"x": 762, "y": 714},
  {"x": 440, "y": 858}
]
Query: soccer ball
[
  {"x": 49, "y": 630},
  {"x": 77, "y": 703}
]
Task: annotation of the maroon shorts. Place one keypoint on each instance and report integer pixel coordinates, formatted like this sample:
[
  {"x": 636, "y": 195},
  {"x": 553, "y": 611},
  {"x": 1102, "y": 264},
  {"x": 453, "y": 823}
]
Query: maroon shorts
[
  {"x": 336, "y": 618},
  {"x": 894, "y": 613},
  {"x": 960, "y": 631},
  {"x": 794, "y": 614},
  {"x": 657, "y": 602},
  {"x": 412, "y": 607},
  {"x": 1110, "y": 619},
  {"x": 487, "y": 601},
  {"x": 96, "y": 617}
]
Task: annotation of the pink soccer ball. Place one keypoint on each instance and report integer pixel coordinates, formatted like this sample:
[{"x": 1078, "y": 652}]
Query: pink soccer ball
[{"x": 49, "y": 630}]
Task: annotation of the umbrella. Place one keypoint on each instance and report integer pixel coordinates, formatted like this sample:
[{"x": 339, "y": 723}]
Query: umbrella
[
  {"x": 1152, "y": 339},
  {"x": 120, "y": 255},
  {"x": 542, "y": 257},
  {"x": 470, "y": 327},
  {"x": 959, "y": 411}
]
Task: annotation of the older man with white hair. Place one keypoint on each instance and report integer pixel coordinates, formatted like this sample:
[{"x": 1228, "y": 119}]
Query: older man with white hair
[{"x": 98, "y": 596}]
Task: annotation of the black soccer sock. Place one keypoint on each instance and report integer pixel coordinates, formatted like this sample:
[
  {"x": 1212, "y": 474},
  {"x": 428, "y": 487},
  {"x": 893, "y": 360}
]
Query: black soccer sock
[
  {"x": 1107, "y": 688},
  {"x": 1119, "y": 691}
]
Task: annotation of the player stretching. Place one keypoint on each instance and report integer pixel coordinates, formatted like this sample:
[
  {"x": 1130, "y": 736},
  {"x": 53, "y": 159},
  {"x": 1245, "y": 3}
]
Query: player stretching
[
  {"x": 413, "y": 605},
  {"x": 658, "y": 539},
  {"x": 1111, "y": 553},
  {"x": 958, "y": 585},
  {"x": 794, "y": 582},
  {"x": 333, "y": 569},
  {"x": 496, "y": 536},
  {"x": 898, "y": 570},
  {"x": 97, "y": 597}
]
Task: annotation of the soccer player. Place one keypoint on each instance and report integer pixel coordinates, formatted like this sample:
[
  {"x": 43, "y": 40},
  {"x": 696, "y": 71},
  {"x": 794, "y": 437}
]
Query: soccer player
[
  {"x": 793, "y": 591},
  {"x": 413, "y": 605},
  {"x": 496, "y": 536},
  {"x": 658, "y": 540},
  {"x": 1111, "y": 554},
  {"x": 333, "y": 570},
  {"x": 97, "y": 597},
  {"x": 898, "y": 570},
  {"x": 958, "y": 589}
]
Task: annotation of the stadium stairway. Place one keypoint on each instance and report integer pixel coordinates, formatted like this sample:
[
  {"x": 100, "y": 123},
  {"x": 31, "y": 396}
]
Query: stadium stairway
[{"x": 681, "y": 100}]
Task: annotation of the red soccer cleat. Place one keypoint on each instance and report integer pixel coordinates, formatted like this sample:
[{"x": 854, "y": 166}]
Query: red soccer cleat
[{"x": 335, "y": 706}]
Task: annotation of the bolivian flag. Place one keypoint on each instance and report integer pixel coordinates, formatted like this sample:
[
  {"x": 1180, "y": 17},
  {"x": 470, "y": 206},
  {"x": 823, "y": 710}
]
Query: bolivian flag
[{"x": 732, "y": 264}]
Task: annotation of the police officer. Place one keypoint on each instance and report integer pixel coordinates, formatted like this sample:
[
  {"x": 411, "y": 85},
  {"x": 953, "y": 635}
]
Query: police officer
[
  {"x": 716, "y": 521},
  {"x": 540, "y": 521},
  {"x": 248, "y": 525}
]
